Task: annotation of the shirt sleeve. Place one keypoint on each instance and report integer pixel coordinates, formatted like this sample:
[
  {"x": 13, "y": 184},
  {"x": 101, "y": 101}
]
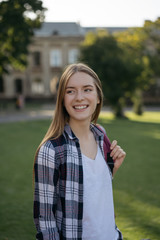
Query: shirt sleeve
[{"x": 45, "y": 194}]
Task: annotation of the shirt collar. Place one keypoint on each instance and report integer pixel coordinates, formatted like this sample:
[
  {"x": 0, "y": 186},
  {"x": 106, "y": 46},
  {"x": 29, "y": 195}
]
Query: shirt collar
[
  {"x": 69, "y": 132},
  {"x": 98, "y": 133}
]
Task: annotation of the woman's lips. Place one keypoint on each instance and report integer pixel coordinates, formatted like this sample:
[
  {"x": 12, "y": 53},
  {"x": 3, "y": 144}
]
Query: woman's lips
[{"x": 80, "y": 107}]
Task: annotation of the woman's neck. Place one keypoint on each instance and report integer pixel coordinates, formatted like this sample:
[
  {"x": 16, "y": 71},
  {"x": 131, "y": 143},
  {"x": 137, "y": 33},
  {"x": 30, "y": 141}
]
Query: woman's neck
[{"x": 80, "y": 129}]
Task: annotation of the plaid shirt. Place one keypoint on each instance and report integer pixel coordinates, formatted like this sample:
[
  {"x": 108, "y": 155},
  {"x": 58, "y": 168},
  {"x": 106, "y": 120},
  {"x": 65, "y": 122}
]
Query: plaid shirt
[{"x": 58, "y": 197}]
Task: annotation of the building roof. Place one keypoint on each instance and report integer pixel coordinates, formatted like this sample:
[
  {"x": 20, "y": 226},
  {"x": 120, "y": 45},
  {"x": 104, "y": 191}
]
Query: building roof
[
  {"x": 69, "y": 29},
  {"x": 59, "y": 29},
  {"x": 108, "y": 29}
]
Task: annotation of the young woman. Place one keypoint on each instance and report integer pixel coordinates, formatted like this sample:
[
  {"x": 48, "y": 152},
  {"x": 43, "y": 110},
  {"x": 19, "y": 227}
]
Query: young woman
[{"x": 73, "y": 197}]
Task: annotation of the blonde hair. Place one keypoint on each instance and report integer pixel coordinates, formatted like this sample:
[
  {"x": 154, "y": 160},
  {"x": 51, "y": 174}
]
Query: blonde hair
[{"x": 61, "y": 116}]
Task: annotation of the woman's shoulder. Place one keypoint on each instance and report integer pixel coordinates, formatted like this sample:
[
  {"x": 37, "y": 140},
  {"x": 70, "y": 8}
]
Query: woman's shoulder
[
  {"x": 101, "y": 128},
  {"x": 50, "y": 151},
  {"x": 46, "y": 155},
  {"x": 52, "y": 144},
  {"x": 47, "y": 145},
  {"x": 46, "y": 148}
]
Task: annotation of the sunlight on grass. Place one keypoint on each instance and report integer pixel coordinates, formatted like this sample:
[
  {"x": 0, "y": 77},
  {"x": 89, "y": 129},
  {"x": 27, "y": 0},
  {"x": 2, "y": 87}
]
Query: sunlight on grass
[
  {"x": 153, "y": 134},
  {"x": 150, "y": 117},
  {"x": 108, "y": 116},
  {"x": 140, "y": 219}
]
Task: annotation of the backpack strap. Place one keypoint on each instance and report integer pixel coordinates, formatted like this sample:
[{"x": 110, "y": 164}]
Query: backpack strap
[{"x": 107, "y": 150}]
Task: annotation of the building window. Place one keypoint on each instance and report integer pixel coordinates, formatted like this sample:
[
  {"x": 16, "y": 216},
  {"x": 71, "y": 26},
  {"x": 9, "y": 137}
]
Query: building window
[
  {"x": 18, "y": 86},
  {"x": 1, "y": 85},
  {"x": 54, "y": 84},
  {"x": 55, "y": 58},
  {"x": 73, "y": 55},
  {"x": 37, "y": 86},
  {"x": 36, "y": 59},
  {"x": 55, "y": 32}
]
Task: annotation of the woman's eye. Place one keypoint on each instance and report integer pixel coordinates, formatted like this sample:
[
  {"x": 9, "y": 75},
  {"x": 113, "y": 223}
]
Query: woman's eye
[
  {"x": 69, "y": 91},
  {"x": 88, "y": 90}
]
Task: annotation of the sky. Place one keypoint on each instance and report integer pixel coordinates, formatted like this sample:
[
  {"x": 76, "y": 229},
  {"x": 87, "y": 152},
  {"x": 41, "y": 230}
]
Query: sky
[{"x": 109, "y": 13}]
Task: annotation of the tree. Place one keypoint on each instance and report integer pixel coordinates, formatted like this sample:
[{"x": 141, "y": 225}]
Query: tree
[
  {"x": 18, "y": 19},
  {"x": 133, "y": 42},
  {"x": 152, "y": 44},
  {"x": 115, "y": 68}
]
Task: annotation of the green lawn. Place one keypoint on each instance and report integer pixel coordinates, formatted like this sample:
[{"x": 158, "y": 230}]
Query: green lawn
[{"x": 136, "y": 184}]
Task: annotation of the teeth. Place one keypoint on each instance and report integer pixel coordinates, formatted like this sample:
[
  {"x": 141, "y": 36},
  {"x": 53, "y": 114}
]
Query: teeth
[{"x": 80, "y": 107}]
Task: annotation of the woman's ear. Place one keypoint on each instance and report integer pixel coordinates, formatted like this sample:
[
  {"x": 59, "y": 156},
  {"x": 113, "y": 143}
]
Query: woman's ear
[{"x": 98, "y": 100}]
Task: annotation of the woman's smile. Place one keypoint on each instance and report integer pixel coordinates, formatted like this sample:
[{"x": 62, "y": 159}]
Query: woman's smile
[{"x": 80, "y": 107}]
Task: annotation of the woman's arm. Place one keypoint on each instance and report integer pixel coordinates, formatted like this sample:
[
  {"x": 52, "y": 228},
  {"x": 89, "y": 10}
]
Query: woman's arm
[
  {"x": 45, "y": 197},
  {"x": 118, "y": 155}
]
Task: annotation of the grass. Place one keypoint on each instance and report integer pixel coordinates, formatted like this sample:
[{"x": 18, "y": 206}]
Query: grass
[{"x": 136, "y": 184}]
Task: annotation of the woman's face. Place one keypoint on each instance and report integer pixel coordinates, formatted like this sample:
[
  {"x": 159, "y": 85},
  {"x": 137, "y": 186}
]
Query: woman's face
[{"x": 81, "y": 98}]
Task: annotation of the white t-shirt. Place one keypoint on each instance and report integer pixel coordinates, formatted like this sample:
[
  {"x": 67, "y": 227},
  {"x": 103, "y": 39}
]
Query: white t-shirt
[{"x": 98, "y": 208}]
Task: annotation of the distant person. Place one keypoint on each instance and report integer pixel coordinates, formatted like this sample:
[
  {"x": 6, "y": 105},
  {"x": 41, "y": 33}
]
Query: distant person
[
  {"x": 73, "y": 183},
  {"x": 19, "y": 102}
]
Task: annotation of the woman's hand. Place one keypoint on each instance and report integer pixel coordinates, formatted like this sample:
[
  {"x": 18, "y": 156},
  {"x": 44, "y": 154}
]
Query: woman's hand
[{"x": 118, "y": 155}]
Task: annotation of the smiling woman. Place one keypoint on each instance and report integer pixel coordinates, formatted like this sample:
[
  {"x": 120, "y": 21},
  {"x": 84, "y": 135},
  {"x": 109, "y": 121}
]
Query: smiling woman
[
  {"x": 71, "y": 165},
  {"x": 81, "y": 98}
]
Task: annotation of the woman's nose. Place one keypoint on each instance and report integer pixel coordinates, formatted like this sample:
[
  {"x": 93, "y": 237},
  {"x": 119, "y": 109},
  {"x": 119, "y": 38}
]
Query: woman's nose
[{"x": 79, "y": 96}]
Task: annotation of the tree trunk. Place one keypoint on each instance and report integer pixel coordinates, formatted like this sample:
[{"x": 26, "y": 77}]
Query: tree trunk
[
  {"x": 138, "y": 102},
  {"x": 118, "y": 110}
]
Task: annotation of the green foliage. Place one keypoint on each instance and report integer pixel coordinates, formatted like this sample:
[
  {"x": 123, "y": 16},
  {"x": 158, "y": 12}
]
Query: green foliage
[
  {"x": 18, "y": 18},
  {"x": 115, "y": 68},
  {"x": 143, "y": 46},
  {"x": 133, "y": 42},
  {"x": 126, "y": 62},
  {"x": 152, "y": 43}
]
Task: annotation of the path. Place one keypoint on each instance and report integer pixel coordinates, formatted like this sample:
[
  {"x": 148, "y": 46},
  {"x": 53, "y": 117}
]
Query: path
[{"x": 45, "y": 113}]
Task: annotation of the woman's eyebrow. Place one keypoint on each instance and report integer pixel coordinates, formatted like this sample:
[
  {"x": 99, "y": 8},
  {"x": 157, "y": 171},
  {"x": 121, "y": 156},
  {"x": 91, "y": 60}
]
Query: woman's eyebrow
[
  {"x": 88, "y": 85},
  {"x": 69, "y": 87}
]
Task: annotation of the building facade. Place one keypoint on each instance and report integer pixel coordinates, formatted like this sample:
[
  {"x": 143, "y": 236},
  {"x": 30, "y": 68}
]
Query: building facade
[{"x": 54, "y": 45}]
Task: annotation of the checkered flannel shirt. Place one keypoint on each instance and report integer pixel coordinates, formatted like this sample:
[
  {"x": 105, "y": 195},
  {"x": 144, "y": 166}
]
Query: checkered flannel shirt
[{"x": 58, "y": 196}]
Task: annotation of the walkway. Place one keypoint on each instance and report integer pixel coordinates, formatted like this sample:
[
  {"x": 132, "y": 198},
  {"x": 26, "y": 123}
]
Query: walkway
[
  {"x": 45, "y": 113},
  {"x": 15, "y": 116}
]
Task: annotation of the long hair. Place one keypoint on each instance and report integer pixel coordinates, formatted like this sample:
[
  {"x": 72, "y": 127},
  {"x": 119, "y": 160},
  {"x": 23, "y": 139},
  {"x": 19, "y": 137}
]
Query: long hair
[{"x": 61, "y": 116}]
